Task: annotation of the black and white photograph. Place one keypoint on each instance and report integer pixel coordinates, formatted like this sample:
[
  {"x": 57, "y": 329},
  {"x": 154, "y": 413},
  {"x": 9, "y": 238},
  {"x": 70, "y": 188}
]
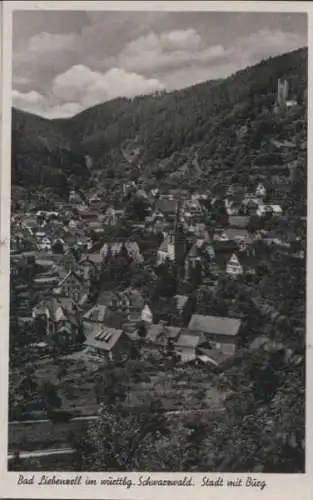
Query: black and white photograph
[{"x": 158, "y": 243}]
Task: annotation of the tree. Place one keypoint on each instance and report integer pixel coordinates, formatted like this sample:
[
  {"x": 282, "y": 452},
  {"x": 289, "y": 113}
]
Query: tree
[
  {"x": 110, "y": 387},
  {"x": 50, "y": 395},
  {"x": 119, "y": 439},
  {"x": 263, "y": 424}
]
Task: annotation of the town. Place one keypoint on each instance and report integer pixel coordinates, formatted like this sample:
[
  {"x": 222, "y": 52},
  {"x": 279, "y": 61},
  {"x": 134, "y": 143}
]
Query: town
[{"x": 151, "y": 296}]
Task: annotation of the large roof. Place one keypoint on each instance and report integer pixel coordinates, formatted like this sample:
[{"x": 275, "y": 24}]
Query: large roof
[
  {"x": 166, "y": 205},
  {"x": 156, "y": 332},
  {"x": 104, "y": 339},
  {"x": 214, "y": 325}
]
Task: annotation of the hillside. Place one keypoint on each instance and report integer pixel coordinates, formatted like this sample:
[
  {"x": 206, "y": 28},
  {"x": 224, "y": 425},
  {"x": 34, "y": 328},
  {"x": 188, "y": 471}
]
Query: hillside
[{"x": 202, "y": 134}]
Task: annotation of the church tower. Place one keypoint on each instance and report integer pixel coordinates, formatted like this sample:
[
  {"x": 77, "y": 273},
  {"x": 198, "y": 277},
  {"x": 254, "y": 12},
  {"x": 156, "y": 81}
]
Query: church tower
[{"x": 181, "y": 243}]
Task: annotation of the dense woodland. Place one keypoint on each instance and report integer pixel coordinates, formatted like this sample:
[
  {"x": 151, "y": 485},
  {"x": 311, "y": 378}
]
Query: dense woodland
[{"x": 213, "y": 132}]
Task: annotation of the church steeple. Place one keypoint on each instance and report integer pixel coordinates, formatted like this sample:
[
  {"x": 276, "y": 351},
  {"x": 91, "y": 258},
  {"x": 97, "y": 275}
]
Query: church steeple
[{"x": 180, "y": 239}]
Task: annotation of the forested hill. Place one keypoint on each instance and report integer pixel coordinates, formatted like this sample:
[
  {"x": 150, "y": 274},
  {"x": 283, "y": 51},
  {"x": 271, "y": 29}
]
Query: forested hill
[{"x": 224, "y": 127}]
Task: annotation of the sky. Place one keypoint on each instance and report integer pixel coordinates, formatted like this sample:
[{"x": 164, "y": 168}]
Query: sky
[{"x": 67, "y": 61}]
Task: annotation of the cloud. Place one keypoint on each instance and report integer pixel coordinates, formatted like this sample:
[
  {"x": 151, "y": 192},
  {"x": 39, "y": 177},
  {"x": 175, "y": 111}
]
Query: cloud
[
  {"x": 88, "y": 87},
  {"x": 45, "y": 48},
  {"x": 170, "y": 49},
  {"x": 27, "y": 101},
  {"x": 265, "y": 43},
  {"x": 42, "y": 54},
  {"x": 79, "y": 88}
]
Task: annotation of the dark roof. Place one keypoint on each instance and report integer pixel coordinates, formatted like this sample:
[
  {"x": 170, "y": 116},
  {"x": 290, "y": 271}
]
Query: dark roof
[
  {"x": 190, "y": 339},
  {"x": 155, "y": 333},
  {"x": 213, "y": 356},
  {"x": 97, "y": 313},
  {"x": 104, "y": 338},
  {"x": 238, "y": 221},
  {"x": 233, "y": 234},
  {"x": 166, "y": 205},
  {"x": 58, "y": 309},
  {"x": 70, "y": 273},
  {"x": 95, "y": 258},
  {"x": 214, "y": 324}
]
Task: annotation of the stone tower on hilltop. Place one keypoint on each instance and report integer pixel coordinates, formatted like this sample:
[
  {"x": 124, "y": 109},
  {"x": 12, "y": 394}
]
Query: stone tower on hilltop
[{"x": 282, "y": 92}]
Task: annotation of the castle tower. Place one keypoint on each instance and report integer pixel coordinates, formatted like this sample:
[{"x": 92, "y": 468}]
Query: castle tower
[{"x": 282, "y": 92}]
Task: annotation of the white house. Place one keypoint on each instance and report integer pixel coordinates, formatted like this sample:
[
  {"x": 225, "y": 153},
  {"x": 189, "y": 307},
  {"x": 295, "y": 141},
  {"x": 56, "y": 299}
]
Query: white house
[
  {"x": 166, "y": 250},
  {"x": 220, "y": 236},
  {"x": 146, "y": 314},
  {"x": 260, "y": 191},
  {"x": 234, "y": 268}
]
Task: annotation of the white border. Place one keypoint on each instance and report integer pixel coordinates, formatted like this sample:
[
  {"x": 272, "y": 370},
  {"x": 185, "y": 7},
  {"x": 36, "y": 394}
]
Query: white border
[{"x": 278, "y": 485}]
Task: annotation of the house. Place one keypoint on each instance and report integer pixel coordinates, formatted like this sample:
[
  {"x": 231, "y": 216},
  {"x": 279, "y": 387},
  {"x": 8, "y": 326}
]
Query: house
[
  {"x": 94, "y": 200},
  {"x": 233, "y": 267},
  {"x": 276, "y": 209},
  {"x": 46, "y": 283},
  {"x": 88, "y": 269},
  {"x": 231, "y": 207},
  {"x": 108, "y": 344},
  {"x": 187, "y": 345},
  {"x": 44, "y": 242},
  {"x": 94, "y": 259},
  {"x": 264, "y": 209},
  {"x": 75, "y": 198},
  {"x": 192, "y": 260},
  {"x": 220, "y": 235},
  {"x": 167, "y": 206},
  {"x": 193, "y": 206},
  {"x": 260, "y": 191},
  {"x": 110, "y": 217},
  {"x": 124, "y": 306},
  {"x": 238, "y": 221},
  {"x": 146, "y": 314},
  {"x": 250, "y": 205},
  {"x": 67, "y": 260},
  {"x": 88, "y": 214},
  {"x": 59, "y": 320},
  {"x": 181, "y": 301},
  {"x": 71, "y": 286},
  {"x": 238, "y": 235},
  {"x": 158, "y": 337},
  {"x": 166, "y": 250},
  {"x": 95, "y": 315},
  {"x": 115, "y": 248},
  {"x": 221, "y": 333}
]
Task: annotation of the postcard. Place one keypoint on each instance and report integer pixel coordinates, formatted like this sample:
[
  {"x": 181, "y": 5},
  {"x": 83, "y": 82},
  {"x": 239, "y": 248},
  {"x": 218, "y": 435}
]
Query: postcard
[{"x": 155, "y": 244}]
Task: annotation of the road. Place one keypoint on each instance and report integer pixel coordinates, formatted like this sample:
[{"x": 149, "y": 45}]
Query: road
[
  {"x": 30, "y": 422},
  {"x": 94, "y": 417},
  {"x": 41, "y": 453}
]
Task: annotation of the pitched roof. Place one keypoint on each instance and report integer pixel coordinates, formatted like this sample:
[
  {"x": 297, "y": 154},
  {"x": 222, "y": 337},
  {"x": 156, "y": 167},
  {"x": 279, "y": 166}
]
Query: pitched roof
[
  {"x": 157, "y": 332},
  {"x": 214, "y": 324},
  {"x": 104, "y": 338},
  {"x": 116, "y": 247},
  {"x": 234, "y": 234},
  {"x": 238, "y": 221},
  {"x": 213, "y": 356},
  {"x": 181, "y": 301},
  {"x": 97, "y": 313},
  {"x": 189, "y": 339},
  {"x": 166, "y": 205},
  {"x": 57, "y": 310},
  {"x": 105, "y": 298},
  {"x": 164, "y": 246},
  {"x": 70, "y": 273}
]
